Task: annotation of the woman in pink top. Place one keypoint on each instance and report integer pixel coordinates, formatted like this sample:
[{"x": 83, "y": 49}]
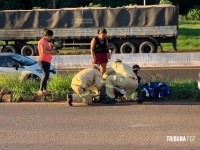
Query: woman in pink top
[{"x": 44, "y": 60}]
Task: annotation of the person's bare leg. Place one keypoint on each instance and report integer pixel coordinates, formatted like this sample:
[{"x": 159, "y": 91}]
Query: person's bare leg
[{"x": 103, "y": 68}]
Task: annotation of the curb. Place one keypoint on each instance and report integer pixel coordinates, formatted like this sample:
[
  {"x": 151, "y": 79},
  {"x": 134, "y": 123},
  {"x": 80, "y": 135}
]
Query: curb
[{"x": 154, "y": 60}]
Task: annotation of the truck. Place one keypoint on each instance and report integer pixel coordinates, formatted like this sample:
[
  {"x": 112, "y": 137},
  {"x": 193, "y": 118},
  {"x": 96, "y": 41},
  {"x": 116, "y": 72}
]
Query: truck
[{"x": 130, "y": 29}]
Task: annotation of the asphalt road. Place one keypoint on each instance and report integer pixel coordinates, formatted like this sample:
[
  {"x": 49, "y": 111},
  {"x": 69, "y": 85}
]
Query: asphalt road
[
  {"x": 54, "y": 126},
  {"x": 180, "y": 73}
]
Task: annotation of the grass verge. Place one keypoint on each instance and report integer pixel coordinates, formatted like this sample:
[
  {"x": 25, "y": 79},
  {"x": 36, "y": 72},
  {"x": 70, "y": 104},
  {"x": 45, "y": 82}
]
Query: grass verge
[{"x": 59, "y": 85}]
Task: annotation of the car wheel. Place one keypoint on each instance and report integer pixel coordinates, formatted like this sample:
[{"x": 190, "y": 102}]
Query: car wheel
[{"x": 33, "y": 78}]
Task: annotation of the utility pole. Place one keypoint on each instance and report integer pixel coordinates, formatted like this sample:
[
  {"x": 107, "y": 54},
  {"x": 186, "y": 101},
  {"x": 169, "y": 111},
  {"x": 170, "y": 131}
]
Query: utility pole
[
  {"x": 54, "y": 4},
  {"x": 144, "y": 2}
]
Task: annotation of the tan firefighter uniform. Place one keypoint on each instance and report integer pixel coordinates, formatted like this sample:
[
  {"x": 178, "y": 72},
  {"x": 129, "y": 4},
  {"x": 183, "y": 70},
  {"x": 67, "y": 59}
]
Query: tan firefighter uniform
[
  {"x": 122, "y": 75},
  {"x": 84, "y": 83}
]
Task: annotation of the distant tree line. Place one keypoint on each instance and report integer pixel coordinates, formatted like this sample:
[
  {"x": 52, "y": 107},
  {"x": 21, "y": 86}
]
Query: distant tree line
[{"x": 185, "y": 5}]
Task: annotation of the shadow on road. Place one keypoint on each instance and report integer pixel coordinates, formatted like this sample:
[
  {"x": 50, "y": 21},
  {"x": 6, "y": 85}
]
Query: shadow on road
[
  {"x": 153, "y": 102},
  {"x": 172, "y": 102}
]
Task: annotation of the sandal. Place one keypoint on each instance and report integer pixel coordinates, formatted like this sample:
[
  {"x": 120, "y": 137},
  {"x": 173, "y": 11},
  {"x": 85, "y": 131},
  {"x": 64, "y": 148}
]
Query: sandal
[
  {"x": 45, "y": 91},
  {"x": 40, "y": 93}
]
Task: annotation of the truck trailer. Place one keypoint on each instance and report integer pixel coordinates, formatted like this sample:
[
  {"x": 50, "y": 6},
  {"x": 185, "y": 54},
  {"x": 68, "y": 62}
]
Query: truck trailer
[{"x": 130, "y": 29}]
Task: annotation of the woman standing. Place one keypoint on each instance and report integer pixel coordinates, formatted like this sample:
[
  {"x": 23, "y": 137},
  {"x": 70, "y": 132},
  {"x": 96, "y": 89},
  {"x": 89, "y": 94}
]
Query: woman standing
[
  {"x": 100, "y": 50},
  {"x": 44, "y": 60}
]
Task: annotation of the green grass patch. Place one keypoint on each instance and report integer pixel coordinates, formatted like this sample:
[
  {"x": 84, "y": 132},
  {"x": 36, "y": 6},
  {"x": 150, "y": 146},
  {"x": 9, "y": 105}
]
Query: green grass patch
[
  {"x": 188, "y": 39},
  {"x": 59, "y": 85},
  {"x": 18, "y": 87},
  {"x": 74, "y": 52},
  {"x": 184, "y": 90}
]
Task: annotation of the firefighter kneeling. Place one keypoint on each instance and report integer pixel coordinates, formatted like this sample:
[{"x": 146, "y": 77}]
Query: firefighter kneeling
[
  {"x": 122, "y": 75},
  {"x": 83, "y": 83}
]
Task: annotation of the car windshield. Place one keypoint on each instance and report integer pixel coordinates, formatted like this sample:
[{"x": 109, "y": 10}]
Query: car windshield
[{"x": 25, "y": 61}]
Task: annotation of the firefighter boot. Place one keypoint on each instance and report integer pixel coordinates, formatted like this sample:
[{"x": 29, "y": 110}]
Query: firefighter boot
[{"x": 69, "y": 99}]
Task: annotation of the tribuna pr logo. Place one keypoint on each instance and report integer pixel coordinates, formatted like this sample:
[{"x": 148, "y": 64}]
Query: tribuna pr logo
[{"x": 180, "y": 138}]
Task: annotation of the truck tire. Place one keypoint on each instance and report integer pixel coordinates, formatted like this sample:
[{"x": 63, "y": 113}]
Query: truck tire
[
  {"x": 128, "y": 47},
  {"x": 28, "y": 50},
  {"x": 9, "y": 49},
  {"x": 113, "y": 47},
  {"x": 147, "y": 47}
]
